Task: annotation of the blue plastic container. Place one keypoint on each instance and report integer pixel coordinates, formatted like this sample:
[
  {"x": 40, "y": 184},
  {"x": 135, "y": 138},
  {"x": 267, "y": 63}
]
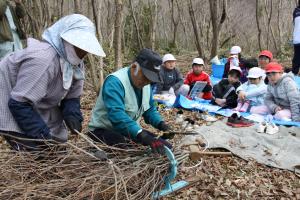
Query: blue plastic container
[{"x": 218, "y": 70}]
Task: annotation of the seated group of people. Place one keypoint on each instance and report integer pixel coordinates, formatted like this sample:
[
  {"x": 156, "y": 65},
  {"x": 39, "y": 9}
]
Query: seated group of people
[
  {"x": 247, "y": 86},
  {"x": 41, "y": 87}
]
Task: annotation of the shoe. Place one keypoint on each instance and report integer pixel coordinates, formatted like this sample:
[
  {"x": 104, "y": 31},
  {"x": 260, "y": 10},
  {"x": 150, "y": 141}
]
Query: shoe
[
  {"x": 208, "y": 118},
  {"x": 179, "y": 119},
  {"x": 261, "y": 127},
  {"x": 272, "y": 129},
  {"x": 237, "y": 122},
  {"x": 245, "y": 106},
  {"x": 239, "y": 106}
]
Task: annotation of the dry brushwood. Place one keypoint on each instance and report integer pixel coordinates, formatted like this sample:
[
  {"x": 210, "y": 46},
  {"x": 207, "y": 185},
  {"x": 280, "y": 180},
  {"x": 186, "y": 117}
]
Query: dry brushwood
[{"x": 72, "y": 171}]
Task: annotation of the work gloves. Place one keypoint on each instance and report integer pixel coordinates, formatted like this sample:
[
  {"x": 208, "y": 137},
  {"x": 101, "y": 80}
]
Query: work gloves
[
  {"x": 149, "y": 139},
  {"x": 73, "y": 124},
  {"x": 162, "y": 126}
]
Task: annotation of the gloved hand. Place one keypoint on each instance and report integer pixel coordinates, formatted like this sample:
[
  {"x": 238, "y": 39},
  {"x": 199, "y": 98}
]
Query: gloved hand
[
  {"x": 162, "y": 126},
  {"x": 148, "y": 139},
  {"x": 73, "y": 124}
]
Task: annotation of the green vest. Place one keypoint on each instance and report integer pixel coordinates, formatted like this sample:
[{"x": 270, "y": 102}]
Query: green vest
[{"x": 99, "y": 117}]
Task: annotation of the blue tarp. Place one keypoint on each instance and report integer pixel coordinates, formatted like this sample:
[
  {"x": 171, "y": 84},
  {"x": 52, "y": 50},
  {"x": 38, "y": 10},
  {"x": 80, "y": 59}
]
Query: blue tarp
[{"x": 204, "y": 105}]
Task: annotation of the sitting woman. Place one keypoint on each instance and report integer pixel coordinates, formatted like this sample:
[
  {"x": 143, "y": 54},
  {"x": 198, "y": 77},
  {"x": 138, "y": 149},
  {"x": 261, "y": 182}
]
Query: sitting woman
[{"x": 251, "y": 93}]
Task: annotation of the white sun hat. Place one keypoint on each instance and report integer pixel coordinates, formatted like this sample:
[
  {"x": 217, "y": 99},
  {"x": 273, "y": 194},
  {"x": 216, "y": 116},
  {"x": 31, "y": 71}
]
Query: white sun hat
[
  {"x": 168, "y": 57},
  {"x": 77, "y": 30},
  {"x": 255, "y": 72},
  {"x": 235, "y": 50},
  {"x": 198, "y": 61},
  {"x": 235, "y": 68}
]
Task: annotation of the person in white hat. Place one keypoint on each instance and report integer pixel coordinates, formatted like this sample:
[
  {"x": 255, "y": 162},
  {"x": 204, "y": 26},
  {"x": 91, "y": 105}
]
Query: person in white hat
[
  {"x": 224, "y": 92},
  {"x": 252, "y": 92},
  {"x": 41, "y": 85},
  {"x": 235, "y": 59},
  {"x": 198, "y": 74},
  {"x": 171, "y": 77}
]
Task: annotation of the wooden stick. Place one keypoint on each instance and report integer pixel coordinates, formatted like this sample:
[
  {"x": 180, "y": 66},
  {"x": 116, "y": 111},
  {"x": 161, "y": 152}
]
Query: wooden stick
[{"x": 196, "y": 154}]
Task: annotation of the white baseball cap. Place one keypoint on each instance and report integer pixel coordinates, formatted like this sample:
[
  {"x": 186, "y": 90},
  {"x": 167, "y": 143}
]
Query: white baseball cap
[
  {"x": 198, "y": 61},
  {"x": 235, "y": 50},
  {"x": 255, "y": 72},
  {"x": 168, "y": 57},
  {"x": 235, "y": 68}
]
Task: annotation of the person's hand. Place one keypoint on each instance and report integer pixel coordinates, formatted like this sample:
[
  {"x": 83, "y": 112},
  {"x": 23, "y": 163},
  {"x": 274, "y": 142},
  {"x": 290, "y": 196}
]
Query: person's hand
[
  {"x": 278, "y": 108},
  {"x": 200, "y": 95},
  {"x": 73, "y": 124},
  {"x": 162, "y": 126},
  {"x": 157, "y": 145},
  {"x": 242, "y": 95},
  {"x": 220, "y": 102}
]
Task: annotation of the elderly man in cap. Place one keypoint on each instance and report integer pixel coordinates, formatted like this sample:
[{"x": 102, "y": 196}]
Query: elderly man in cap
[
  {"x": 42, "y": 84},
  {"x": 126, "y": 97}
]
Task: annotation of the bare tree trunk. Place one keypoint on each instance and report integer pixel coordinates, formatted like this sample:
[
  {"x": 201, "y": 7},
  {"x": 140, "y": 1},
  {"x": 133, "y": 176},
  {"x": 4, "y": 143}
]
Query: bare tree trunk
[
  {"x": 118, "y": 34},
  {"x": 62, "y": 8},
  {"x": 258, "y": 25},
  {"x": 139, "y": 39},
  {"x": 154, "y": 25},
  {"x": 216, "y": 24},
  {"x": 175, "y": 24},
  {"x": 77, "y": 6},
  {"x": 97, "y": 82},
  {"x": 195, "y": 28}
]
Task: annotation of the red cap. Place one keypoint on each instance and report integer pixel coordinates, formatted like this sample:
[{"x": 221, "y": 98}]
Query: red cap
[
  {"x": 273, "y": 67},
  {"x": 267, "y": 54}
]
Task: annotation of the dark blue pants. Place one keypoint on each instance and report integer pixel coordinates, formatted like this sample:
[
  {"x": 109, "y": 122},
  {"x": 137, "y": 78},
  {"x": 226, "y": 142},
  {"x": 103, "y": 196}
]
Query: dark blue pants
[{"x": 296, "y": 59}]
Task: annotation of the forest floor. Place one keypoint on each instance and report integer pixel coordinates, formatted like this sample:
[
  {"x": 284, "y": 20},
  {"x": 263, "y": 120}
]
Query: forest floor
[{"x": 227, "y": 177}]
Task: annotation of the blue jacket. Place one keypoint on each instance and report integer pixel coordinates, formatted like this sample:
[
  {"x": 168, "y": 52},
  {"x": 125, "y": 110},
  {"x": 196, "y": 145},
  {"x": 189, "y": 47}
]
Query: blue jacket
[{"x": 254, "y": 93}]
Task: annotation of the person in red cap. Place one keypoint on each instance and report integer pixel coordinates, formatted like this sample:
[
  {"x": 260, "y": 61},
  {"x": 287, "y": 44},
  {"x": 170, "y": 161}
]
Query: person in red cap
[
  {"x": 283, "y": 97},
  {"x": 264, "y": 58}
]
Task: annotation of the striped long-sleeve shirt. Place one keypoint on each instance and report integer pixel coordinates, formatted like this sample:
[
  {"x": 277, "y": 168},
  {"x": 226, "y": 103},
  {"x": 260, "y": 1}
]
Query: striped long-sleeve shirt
[{"x": 34, "y": 75}]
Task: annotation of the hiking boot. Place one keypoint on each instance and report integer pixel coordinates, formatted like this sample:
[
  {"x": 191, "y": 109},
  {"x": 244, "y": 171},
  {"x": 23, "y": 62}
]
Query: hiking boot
[{"x": 236, "y": 121}]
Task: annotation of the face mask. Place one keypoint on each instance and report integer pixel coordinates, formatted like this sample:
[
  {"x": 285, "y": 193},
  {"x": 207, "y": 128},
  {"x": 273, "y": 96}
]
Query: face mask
[{"x": 72, "y": 57}]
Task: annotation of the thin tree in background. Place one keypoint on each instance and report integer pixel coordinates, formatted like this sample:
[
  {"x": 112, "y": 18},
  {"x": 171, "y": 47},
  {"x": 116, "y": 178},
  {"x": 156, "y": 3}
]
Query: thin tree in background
[
  {"x": 216, "y": 23},
  {"x": 258, "y": 10},
  {"x": 195, "y": 28},
  {"x": 118, "y": 34}
]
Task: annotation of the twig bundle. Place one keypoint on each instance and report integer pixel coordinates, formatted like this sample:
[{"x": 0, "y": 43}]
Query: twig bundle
[{"x": 72, "y": 171}]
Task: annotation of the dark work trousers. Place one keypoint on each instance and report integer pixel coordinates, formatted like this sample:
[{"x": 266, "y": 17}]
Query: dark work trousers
[
  {"x": 296, "y": 59},
  {"x": 109, "y": 137}
]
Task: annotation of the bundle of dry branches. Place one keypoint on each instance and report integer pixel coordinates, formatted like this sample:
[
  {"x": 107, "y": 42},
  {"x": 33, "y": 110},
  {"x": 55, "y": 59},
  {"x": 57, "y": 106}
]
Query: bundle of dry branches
[{"x": 72, "y": 171}]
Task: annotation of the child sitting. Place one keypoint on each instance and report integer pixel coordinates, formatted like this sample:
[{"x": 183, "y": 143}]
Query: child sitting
[
  {"x": 283, "y": 96},
  {"x": 235, "y": 59},
  {"x": 224, "y": 93},
  {"x": 171, "y": 77},
  {"x": 252, "y": 92},
  {"x": 197, "y": 74}
]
